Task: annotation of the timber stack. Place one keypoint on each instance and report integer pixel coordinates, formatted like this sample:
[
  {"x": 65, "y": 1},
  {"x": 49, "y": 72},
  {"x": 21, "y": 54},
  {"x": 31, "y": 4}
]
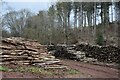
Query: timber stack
[
  {"x": 87, "y": 53},
  {"x": 108, "y": 53},
  {"x": 20, "y": 51}
]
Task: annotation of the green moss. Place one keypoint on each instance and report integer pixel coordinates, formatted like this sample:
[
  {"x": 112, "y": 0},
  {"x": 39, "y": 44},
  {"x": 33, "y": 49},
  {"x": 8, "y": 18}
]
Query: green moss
[
  {"x": 42, "y": 71},
  {"x": 34, "y": 70},
  {"x": 3, "y": 68},
  {"x": 72, "y": 71}
]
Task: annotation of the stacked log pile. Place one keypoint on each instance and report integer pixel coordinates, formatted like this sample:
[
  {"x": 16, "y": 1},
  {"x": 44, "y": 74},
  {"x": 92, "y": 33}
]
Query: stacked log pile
[
  {"x": 108, "y": 54},
  {"x": 26, "y": 52},
  {"x": 60, "y": 51},
  {"x": 69, "y": 52},
  {"x": 87, "y": 53}
]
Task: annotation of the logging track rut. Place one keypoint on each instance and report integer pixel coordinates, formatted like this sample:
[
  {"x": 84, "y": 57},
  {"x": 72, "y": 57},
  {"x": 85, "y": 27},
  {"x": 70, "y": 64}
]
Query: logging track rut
[{"x": 94, "y": 71}]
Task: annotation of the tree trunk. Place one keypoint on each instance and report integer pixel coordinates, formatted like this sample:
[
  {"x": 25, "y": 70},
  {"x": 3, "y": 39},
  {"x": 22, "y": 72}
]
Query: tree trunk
[
  {"x": 75, "y": 18},
  {"x": 94, "y": 22}
]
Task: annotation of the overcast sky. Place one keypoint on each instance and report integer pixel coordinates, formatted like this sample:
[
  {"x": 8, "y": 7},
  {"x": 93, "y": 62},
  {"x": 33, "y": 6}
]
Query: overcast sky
[{"x": 33, "y": 5}]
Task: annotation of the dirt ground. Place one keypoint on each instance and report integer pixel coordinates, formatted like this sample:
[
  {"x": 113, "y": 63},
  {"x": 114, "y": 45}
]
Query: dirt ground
[
  {"x": 94, "y": 71},
  {"x": 86, "y": 70}
]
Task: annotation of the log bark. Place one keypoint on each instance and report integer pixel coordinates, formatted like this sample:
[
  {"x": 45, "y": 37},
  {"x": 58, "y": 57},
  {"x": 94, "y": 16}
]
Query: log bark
[{"x": 20, "y": 51}]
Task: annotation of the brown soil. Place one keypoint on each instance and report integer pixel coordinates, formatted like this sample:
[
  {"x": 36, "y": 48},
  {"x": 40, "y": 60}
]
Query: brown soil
[
  {"x": 86, "y": 70},
  {"x": 93, "y": 71},
  {"x": 19, "y": 75}
]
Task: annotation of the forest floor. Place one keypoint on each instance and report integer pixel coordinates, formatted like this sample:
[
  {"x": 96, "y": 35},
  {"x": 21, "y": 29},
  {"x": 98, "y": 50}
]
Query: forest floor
[{"x": 76, "y": 70}]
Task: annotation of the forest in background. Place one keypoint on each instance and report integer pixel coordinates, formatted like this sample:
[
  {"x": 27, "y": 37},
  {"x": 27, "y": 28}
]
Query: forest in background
[{"x": 92, "y": 22}]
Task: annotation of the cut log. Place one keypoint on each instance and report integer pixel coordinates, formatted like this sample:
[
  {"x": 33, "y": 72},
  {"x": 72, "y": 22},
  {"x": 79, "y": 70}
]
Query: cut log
[
  {"x": 20, "y": 51},
  {"x": 56, "y": 67},
  {"x": 51, "y": 62},
  {"x": 5, "y": 47},
  {"x": 39, "y": 64},
  {"x": 14, "y": 57},
  {"x": 31, "y": 49},
  {"x": 37, "y": 61}
]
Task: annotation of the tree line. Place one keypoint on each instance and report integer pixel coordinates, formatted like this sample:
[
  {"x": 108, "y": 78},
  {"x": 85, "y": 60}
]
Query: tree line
[{"x": 66, "y": 22}]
